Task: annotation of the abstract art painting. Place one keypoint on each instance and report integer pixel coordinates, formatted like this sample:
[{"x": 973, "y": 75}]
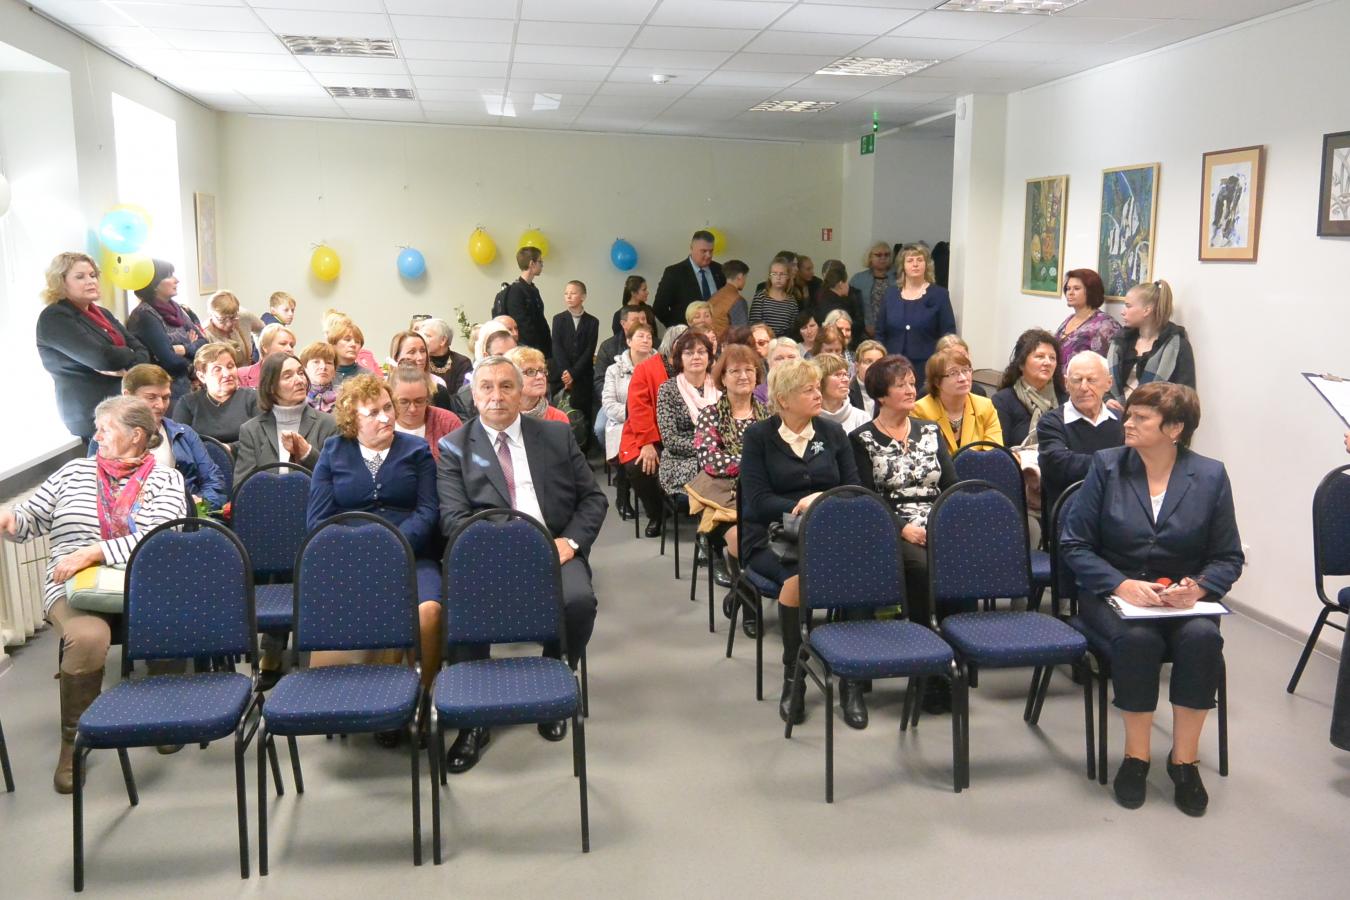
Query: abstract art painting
[
  {"x": 208, "y": 274},
  {"x": 1230, "y": 203},
  {"x": 1043, "y": 235},
  {"x": 1333, "y": 204},
  {"x": 1128, "y": 225}
]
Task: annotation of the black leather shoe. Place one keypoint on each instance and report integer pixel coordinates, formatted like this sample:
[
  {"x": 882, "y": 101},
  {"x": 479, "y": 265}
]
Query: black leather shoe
[
  {"x": 937, "y": 696},
  {"x": 1131, "y": 783},
  {"x": 467, "y": 749},
  {"x": 1191, "y": 796},
  {"x": 553, "y": 731},
  {"x": 388, "y": 739},
  {"x": 720, "y": 573},
  {"x": 728, "y": 604},
  {"x": 653, "y": 528},
  {"x": 624, "y": 507},
  {"x": 851, "y": 701},
  {"x": 268, "y": 678},
  {"x": 792, "y": 704},
  {"x": 749, "y": 623}
]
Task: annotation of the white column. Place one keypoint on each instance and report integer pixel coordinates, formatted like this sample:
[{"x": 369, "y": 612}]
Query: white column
[{"x": 977, "y": 213}]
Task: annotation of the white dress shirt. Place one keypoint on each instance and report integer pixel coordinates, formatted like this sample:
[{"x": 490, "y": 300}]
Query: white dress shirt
[
  {"x": 1071, "y": 415},
  {"x": 527, "y": 501}
]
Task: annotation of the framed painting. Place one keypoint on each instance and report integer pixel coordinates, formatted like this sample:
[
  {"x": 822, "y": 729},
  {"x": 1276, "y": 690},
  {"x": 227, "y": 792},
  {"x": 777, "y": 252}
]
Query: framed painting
[
  {"x": 208, "y": 275},
  {"x": 1333, "y": 200},
  {"x": 1129, "y": 221},
  {"x": 1043, "y": 235},
  {"x": 1230, "y": 203}
]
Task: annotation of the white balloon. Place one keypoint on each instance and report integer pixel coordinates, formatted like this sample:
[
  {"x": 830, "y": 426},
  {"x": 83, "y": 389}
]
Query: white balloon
[{"x": 4, "y": 195}]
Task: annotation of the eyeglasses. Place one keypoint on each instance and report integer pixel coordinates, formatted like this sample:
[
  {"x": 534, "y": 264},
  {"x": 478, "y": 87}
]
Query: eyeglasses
[
  {"x": 533, "y": 373},
  {"x": 417, "y": 403},
  {"x": 964, "y": 372},
  {"x": 224, "y": 318}
]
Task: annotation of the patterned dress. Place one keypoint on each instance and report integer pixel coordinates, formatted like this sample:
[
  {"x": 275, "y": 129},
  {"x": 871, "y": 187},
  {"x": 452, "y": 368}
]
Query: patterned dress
[
  {"x": 1095, "y": 334},
  {"x": 909, "y": 474}
]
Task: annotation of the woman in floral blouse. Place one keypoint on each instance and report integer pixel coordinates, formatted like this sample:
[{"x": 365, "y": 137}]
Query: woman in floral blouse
[
  {"x": 717, "y": 435},
  {"x": 1088, "y": 328}
]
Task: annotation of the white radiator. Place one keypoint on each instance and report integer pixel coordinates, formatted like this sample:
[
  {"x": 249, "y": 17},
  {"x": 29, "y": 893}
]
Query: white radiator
[{"x": 23, "y": 573}]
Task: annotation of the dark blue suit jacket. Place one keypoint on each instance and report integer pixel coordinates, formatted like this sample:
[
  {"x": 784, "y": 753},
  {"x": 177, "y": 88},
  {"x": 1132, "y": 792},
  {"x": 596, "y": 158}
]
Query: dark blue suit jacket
[
  {"x": 1110, "y": 534},
  {"x": 912, "y": 328},
  {"x": 403, "y": 493}
]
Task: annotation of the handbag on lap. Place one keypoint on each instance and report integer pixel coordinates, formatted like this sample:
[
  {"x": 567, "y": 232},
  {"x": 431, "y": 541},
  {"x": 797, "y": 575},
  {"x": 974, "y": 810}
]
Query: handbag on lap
[{"x": 99, "y": 589}]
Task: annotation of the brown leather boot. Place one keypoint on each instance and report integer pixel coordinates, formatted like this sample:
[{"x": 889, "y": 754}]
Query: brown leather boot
[{"x": 77, "y": 692}]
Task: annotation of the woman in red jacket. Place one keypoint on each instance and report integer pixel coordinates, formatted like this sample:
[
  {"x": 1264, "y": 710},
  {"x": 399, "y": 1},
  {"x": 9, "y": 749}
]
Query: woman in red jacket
[{"x": 640, "y": 448}]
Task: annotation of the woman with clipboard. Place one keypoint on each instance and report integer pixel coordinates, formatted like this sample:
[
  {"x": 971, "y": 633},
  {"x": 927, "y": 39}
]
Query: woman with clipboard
[{"x": 1153, "y": 526}]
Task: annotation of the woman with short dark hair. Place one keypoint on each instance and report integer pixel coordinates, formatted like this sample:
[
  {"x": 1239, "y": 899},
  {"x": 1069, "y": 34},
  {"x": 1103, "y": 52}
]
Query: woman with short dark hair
[
  {"x": 679, "y": 403},
  {"x": 170, "y": 331},
  {"x": 1032, "y": 385},
  {"x": 286, "y": 429},
  {"x": 1088, "y": 328},
  {"x": 221, "y": 407}
]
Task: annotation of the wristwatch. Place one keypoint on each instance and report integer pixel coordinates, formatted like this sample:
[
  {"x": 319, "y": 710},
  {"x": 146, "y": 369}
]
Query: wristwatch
[{"x": 573, "y": 544}]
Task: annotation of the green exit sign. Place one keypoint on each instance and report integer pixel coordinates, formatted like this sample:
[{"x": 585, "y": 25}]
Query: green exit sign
[{"x": 867, "y": 144}]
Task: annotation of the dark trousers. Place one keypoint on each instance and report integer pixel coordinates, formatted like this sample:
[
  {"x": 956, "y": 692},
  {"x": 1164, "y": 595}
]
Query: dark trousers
[
  {"x": 1139, "y": 648},
  {"x": 918, "y": 608},
  {"x": 647, "y": 487},
  {"x": 579, "y": 606}
]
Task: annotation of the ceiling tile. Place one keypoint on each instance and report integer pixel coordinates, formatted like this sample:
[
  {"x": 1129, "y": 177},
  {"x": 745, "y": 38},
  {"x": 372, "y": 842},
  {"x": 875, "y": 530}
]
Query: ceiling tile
[
  {"x": 553, "y": 86},
  {"x": 965, "y": 26},
  {"x": 640, "y": 75},
  {"x": 1228, "y": 10},
  {"x": 751, "y": 95},
  {"x": 1012, "y": 51},
  {"x": 610, "y": 102},
  {"x": 346, "y": 6},
  {"x": 575, "y": 34},
  {"x": 818, "y": 18},
  {"x": 918, "y": 48},
  {"x": 607, "y": 122},
  {"x": 800, "y": 42},
  {"x": 455, "y": 67},
  {"x": 669, "y": 37},
  {"x": 591, "y": 56},
  {"x": 326, "y": 64},
  {"x": 554, "y": 70},
  {"x": 1081, "y": 31},
  {"x": 287, "y": 21},
  {"x": 82, "y": 12},
  {"x": 199, "y": 18},
  {"x": 1160, "y": 33},
  {"x": 717, "y": 13},
  {"x": 231, "y": 41},
  {"x": 728, "y": 78},
  {"x": 443, "y": 83},
  {"x": 369, "y": 80},
  {"x": 777, "y": 62},
  {"x": 669, "y": 91},
  {"x": 121, "y": 37},
  {"x": 436, "y": 28},
  {"x": 665, "y": 59},
  {"x": 836, "y": 87},
  {"x": 458, "y": 97},
  {"x": 610, "y": 11},
  {"x": 257, "y": 62},
  {"x": 454, "y": 50},
  {"x": 963, "y": 67},
  {"x": 469, "y": 9}
]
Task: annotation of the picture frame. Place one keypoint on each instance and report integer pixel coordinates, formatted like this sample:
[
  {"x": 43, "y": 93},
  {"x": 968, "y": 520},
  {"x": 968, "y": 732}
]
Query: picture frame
[
  {"x": 1333, "y": 196},
  {"x": 208, "y": 272},
  {"x": 1043, "y": 235},
  {"x": 1231, "y": 182},
  {"x": 1127, "y": 233}
]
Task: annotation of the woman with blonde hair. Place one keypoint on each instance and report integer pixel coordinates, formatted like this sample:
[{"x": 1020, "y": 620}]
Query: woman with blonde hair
[
  {"x": 534, "y": 385},
  {"x": 275, "y": 338},
  {"x": 775, "y": 305},
  {"x": 364, "y": 357},
  {"x": 872, "y": 282},
  {"x": 1151, "y": 347},
  {"x": 916, "y": 312},
  {"x": 347, "y": 341},
  {"x": 223, "y": 327}
]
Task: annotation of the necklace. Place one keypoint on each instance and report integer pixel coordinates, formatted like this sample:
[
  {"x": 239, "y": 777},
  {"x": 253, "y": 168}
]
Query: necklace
[{"x": 901, "y": 437}]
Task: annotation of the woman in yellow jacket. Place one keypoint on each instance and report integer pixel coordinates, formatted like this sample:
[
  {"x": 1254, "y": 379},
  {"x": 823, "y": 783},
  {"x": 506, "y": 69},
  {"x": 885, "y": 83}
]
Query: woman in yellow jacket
[{"x": 963, "y": 417}]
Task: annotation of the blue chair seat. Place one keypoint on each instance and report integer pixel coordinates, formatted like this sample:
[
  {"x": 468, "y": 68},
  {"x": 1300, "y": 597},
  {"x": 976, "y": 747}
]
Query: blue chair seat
[
  {"x": 766, "y": 587},
  {"x": 167, "y": 709},
  {"x": 342, "y": 700},
  {"x": 1099, "y": 644},
  {"x": 881, "y": 649},
  {"x": 1040, "y": 567},
  {"x": 276, "y": 605},
  {"x": 1343, "y": 598},
  {"x": 509, "y": 691},
  {"x": 1003, "y": 640}
]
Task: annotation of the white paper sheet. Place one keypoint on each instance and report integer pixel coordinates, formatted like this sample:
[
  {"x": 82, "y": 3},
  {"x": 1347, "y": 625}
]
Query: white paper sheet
[{"x": 1127, "y": 610}]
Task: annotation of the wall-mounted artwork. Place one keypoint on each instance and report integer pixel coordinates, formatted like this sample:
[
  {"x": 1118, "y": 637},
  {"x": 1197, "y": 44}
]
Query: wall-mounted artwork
[
  {"x": 1230, "y": 203},
  {"x": 1043, "y": 235},
  {"x": 1333, "y": 205},
  {"x": 208, "y": 275},
  {"x": 1128, "y": 225}
]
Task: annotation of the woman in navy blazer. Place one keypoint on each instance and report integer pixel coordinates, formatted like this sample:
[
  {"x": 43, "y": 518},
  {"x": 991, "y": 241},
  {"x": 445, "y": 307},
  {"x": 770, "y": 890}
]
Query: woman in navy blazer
[
  {"x": 368, "y": 467},
  {"x": 915, "y": 313},
  {"x": 1154, "y": 526}
]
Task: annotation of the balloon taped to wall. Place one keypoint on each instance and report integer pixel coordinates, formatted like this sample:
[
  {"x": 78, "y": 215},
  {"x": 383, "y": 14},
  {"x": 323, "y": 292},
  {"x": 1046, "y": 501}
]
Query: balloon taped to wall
[
  {"x": 482, "y": 249},
  {"x": 719, "y": 240},
  {"x": 624, "y": 255},
  {"x": 123, "y": 230},
  {"x": 533, "y": 237},
  {"x": 324, "y": 263},
  {"x": 411, "y": 263},
  {"x": 128, "y": 271}
]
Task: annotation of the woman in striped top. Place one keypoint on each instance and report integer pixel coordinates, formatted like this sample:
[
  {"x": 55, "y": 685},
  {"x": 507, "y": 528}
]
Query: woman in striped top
[
  {"x": 774, "y": 305},
  {"x": 93, "y": 511}
]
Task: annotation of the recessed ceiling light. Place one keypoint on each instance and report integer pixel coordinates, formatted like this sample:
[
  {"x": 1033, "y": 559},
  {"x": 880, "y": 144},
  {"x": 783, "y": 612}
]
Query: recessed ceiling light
[
  {"x": 1025, "y": 7},
  {"x": 793, "y": 106},
  {"x": 369, "y": 93},
  {"x": 876, "y": 66},
  {"x": 663, "y": 78},
  {"x": 309, "y": 45}
]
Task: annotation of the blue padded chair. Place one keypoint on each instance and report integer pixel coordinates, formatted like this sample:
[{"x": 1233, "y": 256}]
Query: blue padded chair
[
  {"x": 4, "y": 763},
  {"x": 355, "y": 589},
  {"x": 223, "y": 458},
  {"x": 1064, "y": 596},
  {"x": 850, "y": 559},
  {"x": 749, "y": 590},
  {"x": 977, "y": 550},
  {"x": 1331, "y": 555},
  {"x": 269, "y": 515},
  {"x": 994, "y": 463},
  {"x": 503, "y": 585},
  {"x": 189, "y": 594}
]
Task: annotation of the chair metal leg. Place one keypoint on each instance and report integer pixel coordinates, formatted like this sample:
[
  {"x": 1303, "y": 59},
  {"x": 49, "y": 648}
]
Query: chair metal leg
[
  {"x": 295, "y": 763},
  {"x": 585, "y": 689},
  {"x": 263, "y": 740},
  {"x": 77, "y": 815},
  {"x": 920, "y": 686},
  {"x": 1031, "y": 693},
  {"x": 276, "y": 767},
  {"x": 675, "y": 536},
  {"x": 435, "y": 757},
  {"x": 1085, "y": 675},
  {"x": 829, "y": 737},
  {"x": 1223, "y": 719},
  {"x": 712, "y": 618},
  {"x": 759, "y": 646},
  {"x": 909, "y": 702},
  {"x": 1103, "y": 713},
  {"x": 130, "y": 780},
  {"x": 955, "y": 679},
  {"x": 416, "y": 791},
  {"x": 579, "y": 740},
  {"x": 693, "y": 579},
  {"x": 1040, "y": 695},
  {"x": 4, "y": 763},
  {"x": 1308, "y": 649},
  {"x": 241, "y": 805},
  {"x": 964, "y": 703}
]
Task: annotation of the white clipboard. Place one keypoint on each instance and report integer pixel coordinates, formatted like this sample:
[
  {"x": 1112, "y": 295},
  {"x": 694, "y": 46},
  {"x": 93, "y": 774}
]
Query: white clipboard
[
  {"x": 1335, "y": 390},
  {"x": 1127, "y": 610}
]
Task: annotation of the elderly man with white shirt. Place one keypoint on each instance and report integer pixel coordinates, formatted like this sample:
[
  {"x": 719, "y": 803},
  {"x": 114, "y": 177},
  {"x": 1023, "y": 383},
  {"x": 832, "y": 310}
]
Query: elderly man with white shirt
[{"x": 1068, "y": 435}]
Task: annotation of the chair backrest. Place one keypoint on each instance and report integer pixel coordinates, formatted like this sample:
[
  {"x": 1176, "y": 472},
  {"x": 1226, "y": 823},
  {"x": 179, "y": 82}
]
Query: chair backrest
[
  {"x": 355, "y": 586},
  {"x": 850, "y": 552},
  {"x": 987, "y": 461},
  {"x": 977, "y": 545},
  {"x": 189, "y": 593},
  {"x": 502, "y": 581},
  {"x": 220, "y": 455},
  {"x": 268, "y": 514},
  {"x": 1331, "y": 524},
  {"x": 1061, "y": 576},
  {"x": 988, "y": 378}
]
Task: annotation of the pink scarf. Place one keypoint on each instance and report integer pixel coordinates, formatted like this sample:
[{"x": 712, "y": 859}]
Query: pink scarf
[
  {"x": 694, "y": 399},
  {"x": 117, "y": 508}
]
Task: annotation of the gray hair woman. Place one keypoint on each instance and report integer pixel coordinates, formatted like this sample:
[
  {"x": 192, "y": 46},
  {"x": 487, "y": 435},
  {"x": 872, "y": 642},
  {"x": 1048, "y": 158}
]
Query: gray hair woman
[{"x": 93, "y": 512}]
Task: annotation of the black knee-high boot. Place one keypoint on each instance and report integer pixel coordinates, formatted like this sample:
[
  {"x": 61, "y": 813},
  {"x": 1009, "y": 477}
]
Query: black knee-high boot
[{"x": 792, "y": 703}]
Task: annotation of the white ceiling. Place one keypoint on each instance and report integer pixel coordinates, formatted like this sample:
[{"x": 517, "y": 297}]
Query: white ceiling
[{"x": 587, "y": 64}]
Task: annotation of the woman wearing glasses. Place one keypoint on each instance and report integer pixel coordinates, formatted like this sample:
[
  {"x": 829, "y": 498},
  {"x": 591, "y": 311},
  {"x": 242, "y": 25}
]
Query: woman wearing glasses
[
  {"x": 915, "y": 312},
  {"x": 963, "y": 417},
  {"x": 534, "y": 390}
]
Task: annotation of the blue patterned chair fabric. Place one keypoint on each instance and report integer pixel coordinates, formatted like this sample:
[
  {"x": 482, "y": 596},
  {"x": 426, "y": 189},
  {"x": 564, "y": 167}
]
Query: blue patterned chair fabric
[
  {"x": 502, "y": 584},
  {"x": 982, "y": 552},
  {"x": 166, "y": 709},
  {"x": 342, "y": 700},
  {"x": 888, "y": 649},
  {"x": 849, "y": 555},
  {"x": 509, "y": 691},
  {"x": 268, "y": 515},
  {"x": 355, "y": 589},
  {"x": 223, "y": 460}
]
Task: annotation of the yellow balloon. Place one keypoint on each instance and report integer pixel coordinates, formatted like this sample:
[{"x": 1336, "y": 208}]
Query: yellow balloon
[
  {"x": 719, "y": 241},
  {"x": 482, "y": 248},
  {"x": 325, "y": 263},
  {"x": 534, "y": 238},
  {"x": 128, "y": 271}
]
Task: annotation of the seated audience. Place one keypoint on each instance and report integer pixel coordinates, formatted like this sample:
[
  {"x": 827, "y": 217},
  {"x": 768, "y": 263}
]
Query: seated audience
[
  {"x": 414, "y": 412},
  {"x": 868, "y": 353},
  {"x": 494, "y": 339},
  {"x": 347, "y": 341},
  {"x": 698, "y": 316},
  {"x": 280, "y": 310},
  {"x": 640, "y": 446},
  {"x": 274, "y": 338},
  {"x": 761, "y": 336},
  {"x": 1153, "y": 525},
  {"x": 286, "y": 429},
  {"x": 1151, "y": 347},
  {"x": 635, "y": 297},
  {"x": 775, "y": 305},
  {"x": 807, "y": 330},
  {"x": 840, "y": 322},
  {"x": 834, "y": 382},
  {"x": 836, "y": 294},
  {"x": 320, "y": 366},
  {"x": 533, "y": 368},
  {"x": 445, "y": 363},
  {"x": 410, "y": 347},
  {"x": 93, "y": 512},
  {"x": 963, "y": 417},
  {"x": 170, "y": 331},
  {"x": 915, "y": 312},
  {"x": 81, "y": 344},
  {"x": 1068, "y": 435},
  {"x": 369, "y": 466},
  {"x": 728, "y": 303},
  {"x": 955, "y": 340},
  {"x": 332, "y": 318},
  {"x": 1088, "y": 327},
  {"x": 614, "y": 402},
  {"x": 787, "y": 460},
  {"x": 829, "y": 341},
  {"x": 505, "y": 459},
  {"x": 221, "y": 407},
  {"x": 223, "y": 327},
  {"x": 679, "y": 402},
  {"x": 779, "y": 351},
  {"x": 609, "y": 350},
  {"x": 1032, "y": 385}
]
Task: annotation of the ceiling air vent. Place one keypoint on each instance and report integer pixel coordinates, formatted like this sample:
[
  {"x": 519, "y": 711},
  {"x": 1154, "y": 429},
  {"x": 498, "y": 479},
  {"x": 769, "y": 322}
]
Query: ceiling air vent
[
  {"x": 792, "y": 106},
  {"x": 876, "y": 66},
  {"x": 309, "y": 45},
  {"x": 1025, "y": 7},
  {"x": 369, "y": 93}
]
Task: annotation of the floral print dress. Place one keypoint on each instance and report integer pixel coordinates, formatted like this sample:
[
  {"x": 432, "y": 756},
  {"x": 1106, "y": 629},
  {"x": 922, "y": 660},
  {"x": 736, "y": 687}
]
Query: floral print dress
[
  {"x": 908, "y": 474},
  {"x": 1094, "y": 334}
]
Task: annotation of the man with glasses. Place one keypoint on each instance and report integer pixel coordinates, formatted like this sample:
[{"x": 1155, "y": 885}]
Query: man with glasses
[{"x": 1068, "y": 435}]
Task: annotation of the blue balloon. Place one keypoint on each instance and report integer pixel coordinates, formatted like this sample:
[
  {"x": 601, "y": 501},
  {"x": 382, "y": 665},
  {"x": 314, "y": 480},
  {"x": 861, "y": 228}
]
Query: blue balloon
[
  {"x": 624, "y": 255},
  {"x": 411, "y": 263},
  {"x": 122, "y": 231}
]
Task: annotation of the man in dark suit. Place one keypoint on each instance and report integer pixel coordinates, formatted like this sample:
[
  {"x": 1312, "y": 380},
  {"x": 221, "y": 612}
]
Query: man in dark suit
[
  {"x": 688, "y": 281},
  {"x": 503, "y": 459},
  {"x": 526, "y": 306},
  {"x": 1068, "y": 435},
  {"x": 575, "y": 333}
]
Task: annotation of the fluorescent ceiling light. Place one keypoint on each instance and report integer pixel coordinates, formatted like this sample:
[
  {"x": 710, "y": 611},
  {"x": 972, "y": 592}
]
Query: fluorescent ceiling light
[
  {"x": 876, "y": 66},
  {"x": 546, "y": 102},
  {"x": 370, "y": 93},
  {"x": 309, "y": 45},
  {"x": 498, "y": 105},
  {"x": 1025, "y": 7},
  {"x": 793, "y": 106}
]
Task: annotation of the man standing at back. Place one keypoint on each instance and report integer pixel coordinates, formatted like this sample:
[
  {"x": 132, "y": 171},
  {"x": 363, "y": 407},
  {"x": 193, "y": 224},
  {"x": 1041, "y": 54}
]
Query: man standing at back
[
  {"x": 526, "y": 306},
  {"x": 688, "y": 281}
]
